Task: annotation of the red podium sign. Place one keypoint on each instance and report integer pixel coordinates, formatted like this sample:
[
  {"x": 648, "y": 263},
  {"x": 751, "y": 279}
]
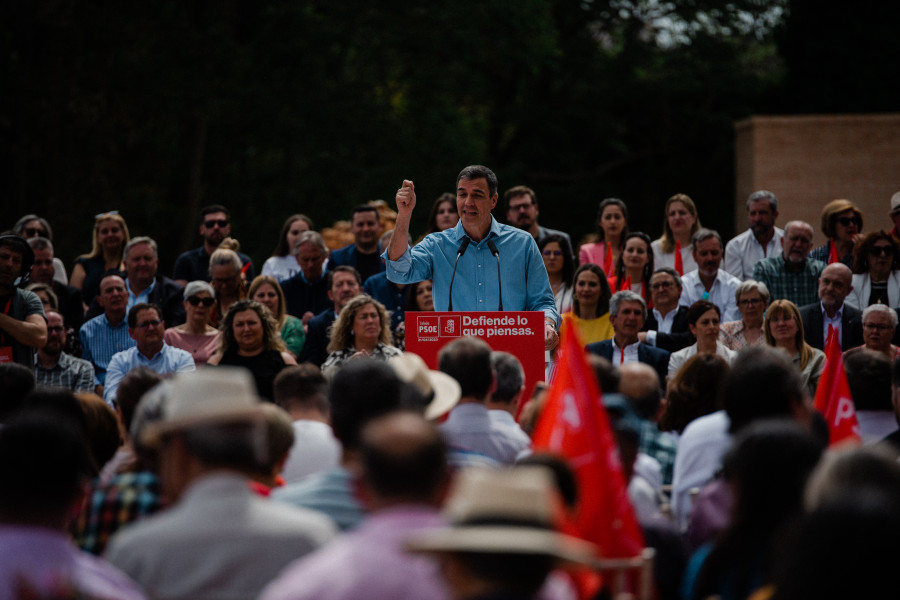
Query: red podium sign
[{"x": 520, "y": 333}]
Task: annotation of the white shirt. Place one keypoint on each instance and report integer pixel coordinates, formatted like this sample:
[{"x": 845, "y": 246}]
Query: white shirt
[
  {"x": 835, "y": 322},
  {"x": 721, "y": 293},
  {"x": 667, "y": 259},
  {"x": 315, "y": 449},
  {"x": 631, "y": 353},
  {"x": 742, "y": 252}
]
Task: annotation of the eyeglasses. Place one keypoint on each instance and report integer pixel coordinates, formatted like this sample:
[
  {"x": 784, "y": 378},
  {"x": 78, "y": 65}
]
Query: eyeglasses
[
  {"x": 552, "y": 252},
  {"x": 213, "y": 222},
  {"x": 661, "y": 285},
  {"x": 56, "y": 329},
  {"x": 847, "y": 221},
  {"x": 881, "y": 251},
  {"x": 33, "y": 232},
  {"x": 876, "y": 327},
  {"x": 149, "y": 324},
  {"x": 101, "y": 216},
  {"x": 750, "y": 301},
  {"x": 195, "y": 301}
]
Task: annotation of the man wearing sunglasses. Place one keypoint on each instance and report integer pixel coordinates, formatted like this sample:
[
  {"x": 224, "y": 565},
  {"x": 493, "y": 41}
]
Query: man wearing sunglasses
[
  {"x": 215, "y": 226},
  {"x": 146, "y": 328}
]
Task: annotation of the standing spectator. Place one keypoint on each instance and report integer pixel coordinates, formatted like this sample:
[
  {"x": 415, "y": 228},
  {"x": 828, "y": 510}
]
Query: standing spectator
[
  {"x": 23, "y": 327},
  {"x": 215, "y": 226},
  {"x": 363, "y": 253},
  {"x": 55, "y": 368},
  {"x": 876, "y": 268},
  {"x": 761, "y": 240},
  {"x": 612, "y": 227},
  {"x": 196, "y": 335},
  {"x": 110, "y": 237},
  {"x": 283, "y": 263},
  {"x": 842, "y": 224},
  {"x": 784, "y": 330},
  {"x": 792, "y": 275},
  {"x": 680, "y": 224}
]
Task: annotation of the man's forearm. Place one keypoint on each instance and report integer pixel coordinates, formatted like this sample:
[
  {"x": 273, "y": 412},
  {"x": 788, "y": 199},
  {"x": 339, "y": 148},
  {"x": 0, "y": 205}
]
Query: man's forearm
[
  {"x": 31, "y": 332},
  {"x": 399, "y": 239}
]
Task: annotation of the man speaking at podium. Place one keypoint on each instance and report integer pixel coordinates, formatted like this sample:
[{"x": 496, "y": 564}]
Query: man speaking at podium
[{"x": 480, "y": 264}]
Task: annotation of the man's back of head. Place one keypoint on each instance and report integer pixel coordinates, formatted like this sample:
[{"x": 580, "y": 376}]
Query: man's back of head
[
  {"x": 510, "y": 378},
  {"x": 468, "y": 360},
  {"x": 360, "y": 391},
  {"x": 639, "y": 383},
  {"x": 302, "y": 391}
]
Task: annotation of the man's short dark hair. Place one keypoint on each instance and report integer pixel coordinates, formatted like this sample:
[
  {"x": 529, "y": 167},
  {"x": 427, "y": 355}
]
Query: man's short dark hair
[
  {"x": 302, "y": 386},
  {"x": 414, "y": 469},
  {"x": 214, "y": 208},
  {"x": 134, "y": 310},
  {"x": 479, "y": 172},
  {"x": 360, "y": 391},
  {"x": 363, "y": 208},
  {"x": 137, "y": 382},
  {"x": 510, "y": 376},
  {"x": 762, "y": 383},
  {"x": 869, "y": 378},
  {"x": 468, "y": 361},
  {"x": 342, "y": 269},
  {"x": 16, "y": 381}
]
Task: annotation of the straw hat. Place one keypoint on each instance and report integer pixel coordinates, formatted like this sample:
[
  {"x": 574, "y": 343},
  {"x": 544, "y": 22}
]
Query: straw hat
[
  {"x": 440, "y": 390},
  {"x": 210, "y": 395},
  {"x": 507, "y": 511}
]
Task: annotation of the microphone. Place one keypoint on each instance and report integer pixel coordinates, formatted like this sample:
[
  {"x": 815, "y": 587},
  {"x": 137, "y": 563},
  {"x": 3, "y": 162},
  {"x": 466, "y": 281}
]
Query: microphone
[
  {"x": 460, "y": 252},
  {"x": 496, "y": 254}
]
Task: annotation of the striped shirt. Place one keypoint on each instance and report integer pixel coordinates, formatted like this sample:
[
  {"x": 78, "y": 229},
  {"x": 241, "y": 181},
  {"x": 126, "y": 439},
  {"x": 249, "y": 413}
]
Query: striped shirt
[
  {"x": 100, "y": 340},
  {"x": 70, "y": 373}
]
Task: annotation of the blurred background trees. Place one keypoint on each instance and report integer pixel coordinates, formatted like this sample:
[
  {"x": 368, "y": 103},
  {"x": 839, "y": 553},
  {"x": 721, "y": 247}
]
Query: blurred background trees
[{"x": 279, "y": 106}]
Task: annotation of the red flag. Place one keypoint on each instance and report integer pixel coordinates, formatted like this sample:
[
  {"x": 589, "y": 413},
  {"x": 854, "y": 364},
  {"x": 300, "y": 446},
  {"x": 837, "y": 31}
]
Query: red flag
[
  {"x": 625, "y": 285},
  {"x": 679, "y": 263},
  {"x": 607, "y": 260},
  {"x": 575, "y": 425},
  {"x": 833, "y": 397},
  {"x": 832, "y": 253}
]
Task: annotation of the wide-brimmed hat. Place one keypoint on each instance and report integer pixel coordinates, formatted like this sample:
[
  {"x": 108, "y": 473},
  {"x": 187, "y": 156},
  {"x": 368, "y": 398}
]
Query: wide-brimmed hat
[
  {"x": 441, "y": 391},
  {"x": 210, "y": 395},
  {"x": 506, "y": 511}
]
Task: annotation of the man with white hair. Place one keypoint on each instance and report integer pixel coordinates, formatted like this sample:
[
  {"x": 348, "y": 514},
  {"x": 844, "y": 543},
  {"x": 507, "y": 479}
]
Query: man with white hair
[
  {"x": 218, "y": 539},
  {"x": 792, "y": 275},
  {"x": 879, "y": 323}
]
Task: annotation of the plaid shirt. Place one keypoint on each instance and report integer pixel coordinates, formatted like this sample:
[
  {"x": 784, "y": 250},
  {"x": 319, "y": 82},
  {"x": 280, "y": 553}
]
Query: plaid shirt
[
  {"x": 75, "y": 374},
  {"x": 801, "y": 287},
  {"x": 126, "y": 498},
  {"x": 660, "y": 445}
]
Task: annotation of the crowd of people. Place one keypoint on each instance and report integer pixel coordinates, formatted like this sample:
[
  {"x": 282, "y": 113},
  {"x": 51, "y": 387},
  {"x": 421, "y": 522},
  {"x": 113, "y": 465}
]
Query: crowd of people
[{"x": 228, "y": 435}]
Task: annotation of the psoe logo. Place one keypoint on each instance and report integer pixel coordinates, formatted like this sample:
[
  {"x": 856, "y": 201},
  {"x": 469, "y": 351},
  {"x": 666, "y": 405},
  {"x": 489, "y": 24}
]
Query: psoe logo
[
  {"x": 451, "y": 326},
  {"x": 427, "y": 329}
]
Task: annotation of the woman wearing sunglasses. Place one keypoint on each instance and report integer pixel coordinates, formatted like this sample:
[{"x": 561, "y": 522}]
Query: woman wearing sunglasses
[
  {"x": 842, "y": 223},
  {"x": 196, "y": 335},
  {"x": 876, "y": 272}
]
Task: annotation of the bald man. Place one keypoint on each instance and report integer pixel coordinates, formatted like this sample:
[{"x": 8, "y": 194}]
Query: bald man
[{"x": 831, "y": 310}]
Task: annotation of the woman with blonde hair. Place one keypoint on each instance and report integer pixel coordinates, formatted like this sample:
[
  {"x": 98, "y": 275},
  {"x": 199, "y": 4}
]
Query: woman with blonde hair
[
  {"x": 110, "y": 237},
  {"x": 266, "y": 290},
  {"x": 842, "y": 224},
  {"x": 362, "y": 330},
  {"x": 680, "y": 224},
  {"x": 783, "y": 329}
]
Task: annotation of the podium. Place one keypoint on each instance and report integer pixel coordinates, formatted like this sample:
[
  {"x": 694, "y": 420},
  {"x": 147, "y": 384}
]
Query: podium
[{"x": 521, "y": 333}]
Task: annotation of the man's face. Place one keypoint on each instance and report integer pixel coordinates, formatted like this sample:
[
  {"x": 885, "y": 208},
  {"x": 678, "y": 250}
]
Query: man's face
[
  {"x": 366, "y": 228},
  {"x": 878, "y": 331},
  {"x": 42, "y": 271},
  {"x": 225, "y": 279},
  {"x": 56, "y": 334},
  {"x": 521, "y": 211},
  {"x": 10, "y": 266},
  {"x": 708, "y": 256},
  {"x": 311, "y": 259},
  {"x": 834, "y": 285},
  {"x": 474, "y": 204},
  {"x": 796, "y": 244},
  {"x": 344, "y": 288},
  {"x": 215, "y": 228},
  {"x": 141, "y": 263},
  {"x": 629, "y": 321},
  {"x": 148, "y": 330},
  {"x": 762, "y": 217},
  {"x": 663, "y": 290},
  {"x": 113, "y": 297}
]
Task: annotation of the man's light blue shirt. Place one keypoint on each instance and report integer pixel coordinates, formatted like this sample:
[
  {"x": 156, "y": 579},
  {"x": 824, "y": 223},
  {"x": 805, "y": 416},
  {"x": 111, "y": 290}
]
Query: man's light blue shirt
[
  {"x": 523, "y": 275},
  {"x": 100, "y": 340},
  {"x": 167, "y": 360},
  {"x": 142, "y": 298}
]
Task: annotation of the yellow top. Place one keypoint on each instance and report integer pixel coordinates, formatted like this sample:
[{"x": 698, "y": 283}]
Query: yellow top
[{"x": 590, "y": 330}]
